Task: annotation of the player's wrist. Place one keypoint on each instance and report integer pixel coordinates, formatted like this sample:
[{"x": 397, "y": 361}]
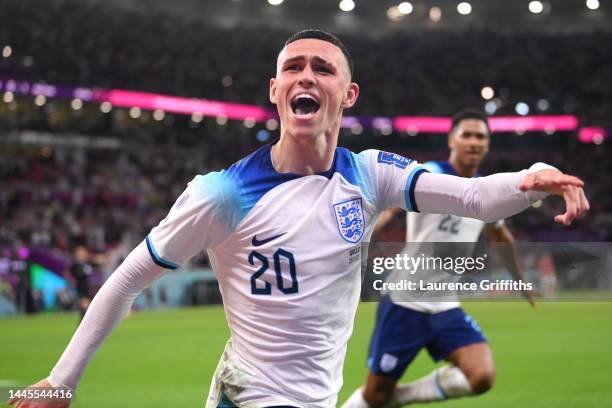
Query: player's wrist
[
  {"x": 539, "y": 166},
  {"x": 55, "y": 383},
  {"x": 533, "y": 195}
]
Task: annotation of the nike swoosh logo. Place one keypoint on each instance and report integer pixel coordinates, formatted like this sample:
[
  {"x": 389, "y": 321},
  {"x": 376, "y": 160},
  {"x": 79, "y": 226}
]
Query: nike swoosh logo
[{"x": 257, "y": 242}]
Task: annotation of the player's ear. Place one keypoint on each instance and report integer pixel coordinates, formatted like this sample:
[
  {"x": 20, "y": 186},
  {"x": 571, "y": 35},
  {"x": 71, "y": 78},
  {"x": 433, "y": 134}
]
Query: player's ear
[
  {"x": 273, "y": 90},
  {"x": 351, "y": 95},
  {"x": 451, "y": 136}
]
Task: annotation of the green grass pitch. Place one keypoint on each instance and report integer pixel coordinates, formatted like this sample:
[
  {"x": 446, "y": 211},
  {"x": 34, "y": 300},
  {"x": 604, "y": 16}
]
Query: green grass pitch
[{"x": 558, "y": 355}]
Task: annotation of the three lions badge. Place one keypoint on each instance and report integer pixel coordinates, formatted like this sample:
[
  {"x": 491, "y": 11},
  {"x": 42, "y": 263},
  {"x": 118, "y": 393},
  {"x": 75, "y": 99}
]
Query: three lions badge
[{"x": 350, "y": 219}]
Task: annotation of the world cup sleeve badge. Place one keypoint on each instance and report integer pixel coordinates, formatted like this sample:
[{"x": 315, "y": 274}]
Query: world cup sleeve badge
[
  {"x": 388, "y": 362},
  {"x": 350, "y": 219}
]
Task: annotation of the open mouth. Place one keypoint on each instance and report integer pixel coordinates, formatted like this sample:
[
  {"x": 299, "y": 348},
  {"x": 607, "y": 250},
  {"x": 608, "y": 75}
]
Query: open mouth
[{"x": 304, "y": 104}]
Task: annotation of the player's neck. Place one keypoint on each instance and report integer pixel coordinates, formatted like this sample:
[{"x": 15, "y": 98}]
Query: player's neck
[
  {"x": 304, "y": 156},
  {"x": 461, "y": 169}
]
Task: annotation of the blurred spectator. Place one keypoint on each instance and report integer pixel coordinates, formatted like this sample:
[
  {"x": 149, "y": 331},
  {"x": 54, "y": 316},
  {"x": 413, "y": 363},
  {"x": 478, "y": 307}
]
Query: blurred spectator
[
  {"x": 432, "y": 72},
  {"x": 109, "y": 199},
  {"x": 79, "y": 274}
]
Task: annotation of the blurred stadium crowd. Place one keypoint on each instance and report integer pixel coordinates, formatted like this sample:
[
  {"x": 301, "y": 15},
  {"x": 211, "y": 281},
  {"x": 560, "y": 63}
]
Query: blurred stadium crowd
[
  {"x": 54, "y": 195},
  {"x": 69, "y": 42}
]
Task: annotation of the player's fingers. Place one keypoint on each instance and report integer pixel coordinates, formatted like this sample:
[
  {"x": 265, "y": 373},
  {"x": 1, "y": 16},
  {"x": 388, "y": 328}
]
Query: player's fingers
[
  {"x": 584, "y": 203},
  {"x": 570, "y": 209},
  {"x": 571, "y": 204},
  {"x": 549, "y": 182},
  {"x": 575, "y": 203},
  {"x": 27, "y": 403},
  {"x": 18, "y": 402},
  {"x": 560, "y": 180},
  {"x": 567, "y": 180},
  {"x": 579, "y": 203},
  {"x": 574, "y": 181},
  {"x": 558, "y": 184}
]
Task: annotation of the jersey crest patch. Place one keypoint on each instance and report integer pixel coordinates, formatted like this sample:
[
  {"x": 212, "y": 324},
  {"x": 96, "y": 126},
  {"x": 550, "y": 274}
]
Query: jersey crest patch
[
  {"x": 393, "y": 159},
  {"x": 350, "y": 219}
]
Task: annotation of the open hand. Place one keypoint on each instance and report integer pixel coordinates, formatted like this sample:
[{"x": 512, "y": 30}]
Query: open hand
[
  {"x": 569, "y": 187},
  {"x": 39, "y": 403}
]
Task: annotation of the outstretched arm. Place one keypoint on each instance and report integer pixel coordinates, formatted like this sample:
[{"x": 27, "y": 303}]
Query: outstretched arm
[
  {"x": 199, "y": 218},
  {"x": 107, "y": 309},
  {"x": 500, "y": 195}
]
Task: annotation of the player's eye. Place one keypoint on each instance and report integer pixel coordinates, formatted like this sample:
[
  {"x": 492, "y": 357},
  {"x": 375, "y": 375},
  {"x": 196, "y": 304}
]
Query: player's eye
[
  {"x": 324, "y": 70},
  {"x": 292, "y": 67}
]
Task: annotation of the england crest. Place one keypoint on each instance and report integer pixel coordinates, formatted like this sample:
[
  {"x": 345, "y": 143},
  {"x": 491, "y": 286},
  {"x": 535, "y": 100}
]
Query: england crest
[{"x": 350, "y": 219}]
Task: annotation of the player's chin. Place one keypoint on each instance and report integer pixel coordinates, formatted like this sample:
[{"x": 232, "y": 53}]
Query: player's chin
[
  {"x": 304, "y": 125},
  {"x": 305, "y": 132},
  {"x": 473, "y": 159}
]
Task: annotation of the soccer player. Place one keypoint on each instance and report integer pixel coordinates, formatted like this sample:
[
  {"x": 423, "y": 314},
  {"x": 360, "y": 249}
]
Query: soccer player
[
  {"x": 405, "y": 326},
  {"x": 282, "y": 227}
]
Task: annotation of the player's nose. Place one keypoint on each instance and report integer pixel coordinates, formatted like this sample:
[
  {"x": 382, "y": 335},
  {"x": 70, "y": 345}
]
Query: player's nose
[
  {"x": 307, "y": 77},
  {"x": 474, "y": 141}
]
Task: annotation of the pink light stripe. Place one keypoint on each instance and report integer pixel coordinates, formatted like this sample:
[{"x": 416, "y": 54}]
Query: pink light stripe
[
  {"x": 186, "y": 106},
  {"x": 591, "y": 134},
  {"x": 424, "y": 124},
  {"x": 533, "y": 123}
]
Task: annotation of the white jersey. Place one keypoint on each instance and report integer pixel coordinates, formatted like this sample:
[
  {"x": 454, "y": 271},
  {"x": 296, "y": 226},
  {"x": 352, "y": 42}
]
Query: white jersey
[
  {"x": 286, "y": 251},
  {"x": 422, "y": 227}
]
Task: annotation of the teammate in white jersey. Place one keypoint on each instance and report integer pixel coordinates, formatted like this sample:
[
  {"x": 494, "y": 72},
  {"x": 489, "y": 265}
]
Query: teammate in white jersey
[
  {"x": 283, "y": 227},
  {"x": 405, "y": 325}
]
